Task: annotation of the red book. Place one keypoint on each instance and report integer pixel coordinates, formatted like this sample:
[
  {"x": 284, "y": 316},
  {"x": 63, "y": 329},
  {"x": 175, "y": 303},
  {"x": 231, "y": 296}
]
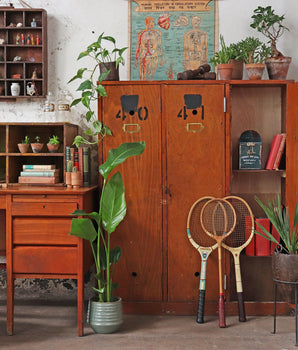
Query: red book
[
  {"x": 275, "y": 234},
  {"x": 273, "y": 151},
  {"x": 76, "y": 159},
  {"x": 280, "y": 152},
  {"x": 250, "y": 249},
  {"x": 262, "y": 244}
]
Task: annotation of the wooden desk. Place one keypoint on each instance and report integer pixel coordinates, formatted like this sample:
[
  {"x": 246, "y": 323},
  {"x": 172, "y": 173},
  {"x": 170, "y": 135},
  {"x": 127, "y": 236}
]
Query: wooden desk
[{"x": 37, "y": 240}]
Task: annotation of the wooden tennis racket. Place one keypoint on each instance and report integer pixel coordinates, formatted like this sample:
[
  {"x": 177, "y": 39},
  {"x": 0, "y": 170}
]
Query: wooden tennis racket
[
  {"x": 204, "y": 244},
  {"x": 218, "y": 219},
  {"x": 237, "y": 241}
]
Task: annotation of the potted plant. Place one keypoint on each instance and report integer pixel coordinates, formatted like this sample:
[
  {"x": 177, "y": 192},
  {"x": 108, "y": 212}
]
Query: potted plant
[
  {"x": 267, "y": 22},
  {"x": 236, "y": 60},
  {"x": 37, "y": 145},
  {"x": 97, "y": 227},
  {"x": 53, "y": 144},
  {"x": 91, "y": 87},
  {"x": 285, "y": 258},
  {"x": 23, "y": 147},
  {"x": 254, "y": 53},
  {"x": 222, "y": 59}
]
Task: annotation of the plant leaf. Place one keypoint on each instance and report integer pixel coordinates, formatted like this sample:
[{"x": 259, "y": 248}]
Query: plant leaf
[
  {"x": 119, "y": 155},
  {"x": 83, "y": 54},
  {"x": 87, "y": 84},
  {"x": 83, "y": 228},
  {"x": 113, "y": 203},
  {"x": 115, "y": 255}
]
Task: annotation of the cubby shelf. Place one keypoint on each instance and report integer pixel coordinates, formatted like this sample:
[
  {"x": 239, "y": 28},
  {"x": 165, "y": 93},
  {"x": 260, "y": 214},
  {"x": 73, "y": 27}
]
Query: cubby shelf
[{"x": 20, "y": 62}]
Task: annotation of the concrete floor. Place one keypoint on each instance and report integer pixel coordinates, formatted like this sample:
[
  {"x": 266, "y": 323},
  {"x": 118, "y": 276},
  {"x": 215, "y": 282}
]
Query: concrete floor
[{"x": 47, "y": 325}]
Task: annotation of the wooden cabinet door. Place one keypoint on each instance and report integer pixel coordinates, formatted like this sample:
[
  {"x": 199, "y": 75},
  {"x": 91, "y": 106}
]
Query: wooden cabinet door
[
  {"x": 195, "y": 167},
  {"x": 132, "y": 112},
  {"x": 292, "y": 148}
]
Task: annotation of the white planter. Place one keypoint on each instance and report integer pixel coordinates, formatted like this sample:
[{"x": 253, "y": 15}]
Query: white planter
[{"x": 15, "y": 89}]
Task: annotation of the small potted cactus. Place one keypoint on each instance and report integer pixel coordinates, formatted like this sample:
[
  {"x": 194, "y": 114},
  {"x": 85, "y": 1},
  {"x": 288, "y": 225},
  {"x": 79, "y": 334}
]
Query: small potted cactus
[
  {"x": 53, "y": 144},
  {"x": 37, "y": 145},
  {"x": 24, "y": 145}
]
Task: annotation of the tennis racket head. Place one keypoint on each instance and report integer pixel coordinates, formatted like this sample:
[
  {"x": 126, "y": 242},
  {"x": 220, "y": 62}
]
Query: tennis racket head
[
  {"x": 243, "y": 232},
  {"x": 218, "y": 218},
  {"x": 197, "y": 236}
]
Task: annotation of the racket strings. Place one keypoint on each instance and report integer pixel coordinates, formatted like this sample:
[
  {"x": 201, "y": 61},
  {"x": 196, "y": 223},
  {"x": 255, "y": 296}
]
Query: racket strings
[
  {"x": 195, "y": 227},
  {"x": 217, "y": 218}
]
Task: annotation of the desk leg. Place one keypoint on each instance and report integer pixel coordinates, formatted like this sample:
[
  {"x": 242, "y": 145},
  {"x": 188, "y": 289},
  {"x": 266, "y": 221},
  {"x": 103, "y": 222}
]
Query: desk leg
[
  {"x": 80, "y": 305},
  {"x": 274, "y": 322},
  {"x": 9, "y": 304}
]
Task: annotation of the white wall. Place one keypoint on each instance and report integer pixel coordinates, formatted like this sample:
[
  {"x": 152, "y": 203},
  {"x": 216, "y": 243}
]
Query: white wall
[{"x": 70, "y": 26}]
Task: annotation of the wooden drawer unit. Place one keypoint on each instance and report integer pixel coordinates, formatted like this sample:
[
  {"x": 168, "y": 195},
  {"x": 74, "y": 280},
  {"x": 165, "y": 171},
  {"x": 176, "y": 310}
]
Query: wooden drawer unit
[
  {"x": 45, "y": 260},
  {"x": 42, "y": 231},
  {"x": 42, "y": 208}
]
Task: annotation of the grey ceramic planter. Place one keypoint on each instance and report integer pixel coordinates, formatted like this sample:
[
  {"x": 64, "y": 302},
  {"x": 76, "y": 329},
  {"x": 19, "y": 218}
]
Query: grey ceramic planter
[{"x": 105, "y": 317}]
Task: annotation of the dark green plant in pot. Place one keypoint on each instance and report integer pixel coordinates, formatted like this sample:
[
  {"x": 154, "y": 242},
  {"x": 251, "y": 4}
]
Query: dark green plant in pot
[
  {"x": 253, "y": 50},
  {"x": 97, "y": 227},
  {"x": 91, "y": 87},
  {"x": 224, "y": 55},
  {"x": 279, "y": 218}
]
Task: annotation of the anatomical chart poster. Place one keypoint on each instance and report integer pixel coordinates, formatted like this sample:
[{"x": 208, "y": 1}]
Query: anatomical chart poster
[{"x": 170, "y": 36}]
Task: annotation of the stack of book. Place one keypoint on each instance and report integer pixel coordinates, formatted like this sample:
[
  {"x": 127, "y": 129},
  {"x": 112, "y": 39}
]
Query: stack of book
[
  {"x": 276, "y": 151},
  {"x": 39, "y": 174},
  {"x": 80, "y": 159}
]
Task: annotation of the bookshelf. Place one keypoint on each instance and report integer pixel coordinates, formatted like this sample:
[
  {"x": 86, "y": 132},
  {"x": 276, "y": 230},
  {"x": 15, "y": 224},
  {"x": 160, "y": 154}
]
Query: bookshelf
[
  {"x": 12, "y": 161},
  {"x": 21, "y": 62}
]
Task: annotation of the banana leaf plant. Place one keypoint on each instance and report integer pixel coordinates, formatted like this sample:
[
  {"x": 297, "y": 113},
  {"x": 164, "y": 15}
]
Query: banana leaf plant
[
  {"x": 97, "y": 227},
  {"x": 279, "y": 218}
]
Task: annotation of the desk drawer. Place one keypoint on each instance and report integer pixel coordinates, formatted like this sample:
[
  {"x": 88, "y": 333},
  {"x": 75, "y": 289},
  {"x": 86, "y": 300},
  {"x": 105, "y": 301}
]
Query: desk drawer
[
  {"x": 44, "y": 198},
  {"x": 45, "y": 260},
  {"x": 42, "y": 209},
  {"x": 42, "y": 231}
]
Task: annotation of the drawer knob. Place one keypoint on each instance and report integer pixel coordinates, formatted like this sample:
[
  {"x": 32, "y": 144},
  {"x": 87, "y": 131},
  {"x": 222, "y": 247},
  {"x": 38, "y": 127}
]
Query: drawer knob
[
  {"x": 43, "y": 206},
  {"x": 44, "y": 196}
]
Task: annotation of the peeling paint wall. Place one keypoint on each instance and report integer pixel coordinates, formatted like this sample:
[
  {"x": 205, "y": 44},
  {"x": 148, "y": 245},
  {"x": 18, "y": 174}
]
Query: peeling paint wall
[{"x": 72, "y": 25}]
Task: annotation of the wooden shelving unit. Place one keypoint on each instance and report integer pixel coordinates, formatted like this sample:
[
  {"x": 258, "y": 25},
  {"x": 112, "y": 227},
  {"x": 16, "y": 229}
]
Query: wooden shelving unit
[
  {"x": 11, "y": 160},
  {"x": 15, "y": 24}
]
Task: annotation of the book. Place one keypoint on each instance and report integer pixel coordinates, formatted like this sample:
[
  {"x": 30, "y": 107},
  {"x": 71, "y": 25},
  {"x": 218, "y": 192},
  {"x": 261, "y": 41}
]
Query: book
[
  {"x": 86, "y": 169},
  {"x": 67, "y": 158},
  {"x": 250, "y": 249},
  {"x": 38, "y": 179},
  {"x": 72, "y": 150},
  {"x": 80, "y": 153},
  {"x": 262, "y": 244},
  {"x": 76, "y": 159},
  {"x": 275, "y": 234},
  {"x": 54, "y": 172},
  {"x": 273, "y": 151},
  {"x": 280, "y": 152},
  {"x": 39, "y": 167}
]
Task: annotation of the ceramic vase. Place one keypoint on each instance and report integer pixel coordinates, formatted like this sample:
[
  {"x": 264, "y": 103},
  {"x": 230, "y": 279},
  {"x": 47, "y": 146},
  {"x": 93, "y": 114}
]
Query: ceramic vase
[{"x": 15, "y": 89}]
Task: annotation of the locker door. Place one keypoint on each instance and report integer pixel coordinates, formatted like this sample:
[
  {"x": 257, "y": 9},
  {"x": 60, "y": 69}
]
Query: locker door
[
  {"x": 133, "y": 114},
  {"x": 195, "y": 138}
]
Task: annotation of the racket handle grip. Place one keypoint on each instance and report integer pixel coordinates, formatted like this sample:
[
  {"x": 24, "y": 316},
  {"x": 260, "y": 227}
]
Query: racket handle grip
[
  {"x": 221, "y": 312},
  {"x": 201, "y": 304},
  {"x": 241, "y": 309}
]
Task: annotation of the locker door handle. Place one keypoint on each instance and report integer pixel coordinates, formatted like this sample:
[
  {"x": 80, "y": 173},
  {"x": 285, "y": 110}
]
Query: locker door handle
[
  {"x": 131, "y": 128},
  {"x": 194, "y": 127}
]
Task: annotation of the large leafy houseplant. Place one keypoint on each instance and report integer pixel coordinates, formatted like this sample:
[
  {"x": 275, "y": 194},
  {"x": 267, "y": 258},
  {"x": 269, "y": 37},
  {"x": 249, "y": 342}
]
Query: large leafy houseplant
[
  {"x": 252, "y": 50},
  {"x": 279, "y": 218},
  {"x": 97, "y": 227},
  {"x": 100, "y": 52}
]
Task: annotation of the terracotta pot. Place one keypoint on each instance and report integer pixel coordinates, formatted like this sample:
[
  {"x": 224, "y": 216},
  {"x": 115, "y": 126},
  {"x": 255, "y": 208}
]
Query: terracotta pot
[
  {"x": 36, "y": 147},
  {"x": 237, "y": 69},
  {"x": 225, "y": 71},
  {"x": 285, "y": 268},
  {"x": 278, "y": 67},
  {"x": 23, "y": 147},
  {"x": 114, "y": 72},
  {"x": 75, "y": 180},
  {"x": 68, "y": 179},
  {"x": 52, "y": 148},
  {"x": 255, "y": 70}
]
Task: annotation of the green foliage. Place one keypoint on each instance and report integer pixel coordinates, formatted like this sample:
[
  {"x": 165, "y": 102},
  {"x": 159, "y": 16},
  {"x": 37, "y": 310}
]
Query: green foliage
[
  {"x": 54, "y": 140},
  {"x": 26, "y": 140},
  {"x": 37, "y": 139},
  {"x": 222, "y": 56},
  {"x": 280, "y": 220},
  {"x": 252, "y": 50},
  {"x": 267, "y": 22},
  {"x": 97, "y": 227},
  {"x": 91, "y": 87}
]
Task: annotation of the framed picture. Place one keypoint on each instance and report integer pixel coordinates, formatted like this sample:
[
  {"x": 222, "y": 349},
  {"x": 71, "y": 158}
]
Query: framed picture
[{"x": 170, "y": 36}]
